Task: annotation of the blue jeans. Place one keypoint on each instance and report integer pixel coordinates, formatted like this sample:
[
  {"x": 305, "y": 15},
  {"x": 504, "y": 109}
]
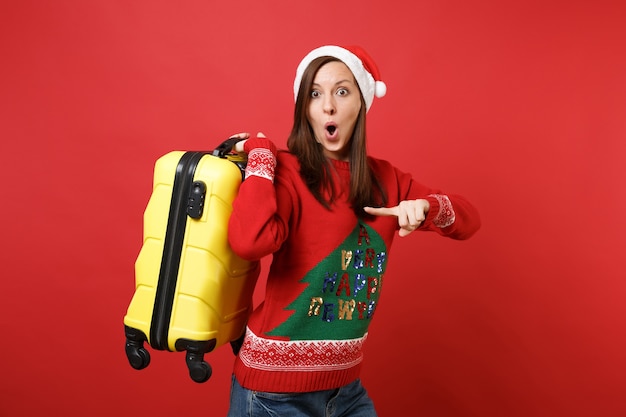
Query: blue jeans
[{"x": 350, "y": 400}]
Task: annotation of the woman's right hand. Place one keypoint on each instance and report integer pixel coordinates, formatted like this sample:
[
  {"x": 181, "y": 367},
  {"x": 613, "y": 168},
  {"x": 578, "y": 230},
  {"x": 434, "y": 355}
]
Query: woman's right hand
[{"x": 239, "y": 146}]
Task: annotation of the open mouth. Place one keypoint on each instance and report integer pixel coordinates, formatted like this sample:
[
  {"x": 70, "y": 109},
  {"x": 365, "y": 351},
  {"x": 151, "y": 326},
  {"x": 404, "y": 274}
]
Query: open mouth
[{"x": 331, "y": 130}]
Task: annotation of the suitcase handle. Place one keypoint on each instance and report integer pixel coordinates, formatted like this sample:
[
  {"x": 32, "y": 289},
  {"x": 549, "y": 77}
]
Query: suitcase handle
[{"x": 225, "y": 147}]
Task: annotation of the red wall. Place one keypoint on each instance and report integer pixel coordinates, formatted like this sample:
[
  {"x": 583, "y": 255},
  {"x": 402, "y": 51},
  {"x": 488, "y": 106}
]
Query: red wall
[{"x": 520, "y": 108}]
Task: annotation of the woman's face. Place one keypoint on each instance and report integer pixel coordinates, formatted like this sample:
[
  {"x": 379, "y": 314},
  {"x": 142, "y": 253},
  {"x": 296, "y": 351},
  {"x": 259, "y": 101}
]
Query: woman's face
[{"x": 333, "y": 109}]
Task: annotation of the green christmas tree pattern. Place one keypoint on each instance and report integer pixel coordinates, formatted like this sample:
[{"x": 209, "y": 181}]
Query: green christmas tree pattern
[{"x": 343, "y": 291}]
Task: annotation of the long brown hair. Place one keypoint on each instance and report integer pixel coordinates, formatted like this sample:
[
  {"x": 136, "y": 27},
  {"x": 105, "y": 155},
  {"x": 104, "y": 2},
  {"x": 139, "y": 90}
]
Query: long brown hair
[{"x": 315, "y": 169}]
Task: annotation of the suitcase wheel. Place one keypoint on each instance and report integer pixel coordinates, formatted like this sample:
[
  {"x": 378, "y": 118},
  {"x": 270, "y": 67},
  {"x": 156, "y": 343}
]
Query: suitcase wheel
[
  {"x": 199, "y": 370},
  {"x": 137, "y": 355}
]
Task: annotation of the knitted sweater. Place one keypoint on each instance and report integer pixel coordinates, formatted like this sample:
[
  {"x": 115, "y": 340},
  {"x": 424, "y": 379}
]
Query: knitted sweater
[{"x": 327, "y": 270}]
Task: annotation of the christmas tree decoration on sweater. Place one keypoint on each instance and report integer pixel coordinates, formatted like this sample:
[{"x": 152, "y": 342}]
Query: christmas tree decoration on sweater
[
  {"x": 343, "y": 291},
  {"x": 330, "y": 318}
]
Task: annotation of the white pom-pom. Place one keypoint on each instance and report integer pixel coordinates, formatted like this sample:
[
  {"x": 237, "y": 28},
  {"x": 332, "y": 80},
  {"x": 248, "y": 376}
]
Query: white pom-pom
[{"x": 381, "y": 89}]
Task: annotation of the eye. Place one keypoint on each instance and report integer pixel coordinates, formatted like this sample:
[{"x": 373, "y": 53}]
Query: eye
[
  {"x": 315, "y": 94},
  {"x": 343, "y": 91}
]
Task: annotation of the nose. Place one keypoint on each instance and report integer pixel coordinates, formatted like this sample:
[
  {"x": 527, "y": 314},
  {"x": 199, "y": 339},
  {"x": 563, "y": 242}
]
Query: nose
[{"x": 329, "y": 105}]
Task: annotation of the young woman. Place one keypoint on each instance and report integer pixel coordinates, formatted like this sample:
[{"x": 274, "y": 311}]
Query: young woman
[{"x": 328, "y": 213}]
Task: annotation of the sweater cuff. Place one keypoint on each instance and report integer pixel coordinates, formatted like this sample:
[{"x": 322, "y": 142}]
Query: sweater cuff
[
  {"x": 444, "y": 215},
  {"x": 261, "y": 158}
]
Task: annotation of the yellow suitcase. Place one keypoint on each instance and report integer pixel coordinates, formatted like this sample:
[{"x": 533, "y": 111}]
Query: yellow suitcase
[{"x": 192, "y": 293}]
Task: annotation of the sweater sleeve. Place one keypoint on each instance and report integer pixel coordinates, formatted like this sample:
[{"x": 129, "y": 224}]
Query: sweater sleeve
[
  {"x": 450, "y": 215},
  {"x": 256, "y": 227}
]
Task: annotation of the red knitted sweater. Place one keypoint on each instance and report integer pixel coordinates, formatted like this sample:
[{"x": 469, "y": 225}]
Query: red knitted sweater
[{"x": 327, "y": 271}]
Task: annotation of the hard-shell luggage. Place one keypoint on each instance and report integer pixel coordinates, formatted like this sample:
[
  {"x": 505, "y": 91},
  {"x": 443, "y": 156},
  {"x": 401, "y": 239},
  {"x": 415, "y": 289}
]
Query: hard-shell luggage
[{"x": 192, "y": 293}]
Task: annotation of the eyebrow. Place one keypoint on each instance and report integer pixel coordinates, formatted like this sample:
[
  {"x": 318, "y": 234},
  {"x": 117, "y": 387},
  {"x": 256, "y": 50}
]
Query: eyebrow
[{"x": 337, "y": 83}]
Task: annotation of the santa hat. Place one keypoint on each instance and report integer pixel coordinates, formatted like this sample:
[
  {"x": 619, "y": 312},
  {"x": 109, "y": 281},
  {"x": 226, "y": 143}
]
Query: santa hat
[{"x": 360, "y": 63}]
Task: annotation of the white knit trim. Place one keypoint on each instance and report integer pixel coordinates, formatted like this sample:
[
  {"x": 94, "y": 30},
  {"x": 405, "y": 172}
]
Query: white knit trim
[
  {"x": 301, "y": 355},
  {"x": 446, "y": 215},
  {"x": 261, "y": 163}
]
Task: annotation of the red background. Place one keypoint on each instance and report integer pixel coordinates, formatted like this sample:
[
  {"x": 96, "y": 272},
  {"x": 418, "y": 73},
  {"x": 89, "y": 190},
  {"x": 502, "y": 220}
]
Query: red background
[{"x": 519, "y": 107}]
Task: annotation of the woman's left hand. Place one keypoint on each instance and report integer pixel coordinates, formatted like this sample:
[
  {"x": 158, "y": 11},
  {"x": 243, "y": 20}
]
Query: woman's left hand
[{"x": 410, "y": 213}]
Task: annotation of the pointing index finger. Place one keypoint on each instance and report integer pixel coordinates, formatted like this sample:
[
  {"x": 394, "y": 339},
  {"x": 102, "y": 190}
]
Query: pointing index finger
[{"x": 381, "y": 211}]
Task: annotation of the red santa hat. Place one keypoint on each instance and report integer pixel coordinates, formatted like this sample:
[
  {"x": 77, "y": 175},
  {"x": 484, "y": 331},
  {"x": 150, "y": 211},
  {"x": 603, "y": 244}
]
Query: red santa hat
[{"x": 358, "y": 61}]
